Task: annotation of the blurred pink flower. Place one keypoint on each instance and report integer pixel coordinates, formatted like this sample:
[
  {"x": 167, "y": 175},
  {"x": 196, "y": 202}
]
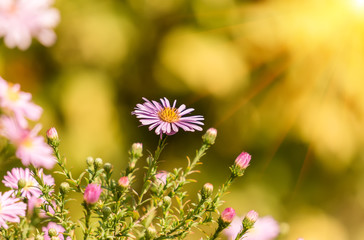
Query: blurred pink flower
[
  {"x": 228, "y": 215},
  {"x": 20, "y": 20},
  {"x": 92, "y": 193},
  {"x": 10, "y": 209},
  {"x": 161, "y": 177},
  {"x": 31, "y": 186},
  {"x": 35, "y": 202},
  {"x": 265, "y": 228},
  {"x": 59, "y": 229},
  {"x": 31, "y": 149},
  {"x": 17, "y": 103}
]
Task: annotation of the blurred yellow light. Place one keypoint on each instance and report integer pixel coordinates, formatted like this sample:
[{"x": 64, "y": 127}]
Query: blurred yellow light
[{"x": 359, "y": 3}]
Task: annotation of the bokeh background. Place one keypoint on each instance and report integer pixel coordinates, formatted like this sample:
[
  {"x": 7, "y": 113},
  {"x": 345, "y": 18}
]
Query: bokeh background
[{"x": 280, "y": 79}]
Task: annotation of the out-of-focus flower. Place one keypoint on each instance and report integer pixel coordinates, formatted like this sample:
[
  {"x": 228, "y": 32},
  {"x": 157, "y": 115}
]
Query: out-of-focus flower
[
  {"x": 92, "y": 193},
  {"x": 54, "y": 230},
  {"x": 228, "y": 215},
  {"x": 36, "y": 202},
  {"x": 166, "y": 118},
  {"x": 20, "y": 20},
  {"x": 243, "y": 160},
  {"x": 265, "y": 228},
  {"x": 30, "y": 187},
  {"x": 124, "y": 182},
  {"x": 161, "y": 177},
  {"x": 10, "y": 209},
  {"x": 31, "y": 149},
  {"x": 47, "y": 179},
  {"x": 17, "y": 103}
]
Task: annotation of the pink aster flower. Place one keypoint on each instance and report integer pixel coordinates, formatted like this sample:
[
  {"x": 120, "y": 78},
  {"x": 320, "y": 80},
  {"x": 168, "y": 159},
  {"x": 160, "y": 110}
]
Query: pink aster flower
[
  {"x": 31, "y": 187},
  {"x": 54, "y": 228},
  {"x": 166, "y": 118},
  {"x": 11, "y": 209},
  {"x": 20, "y": 20},
  {"x": 265, "y": 228},
  {"x": 17, "y": 103},
  {"x": 92, "y": 193},
  {"x": 31, "y": 149}
]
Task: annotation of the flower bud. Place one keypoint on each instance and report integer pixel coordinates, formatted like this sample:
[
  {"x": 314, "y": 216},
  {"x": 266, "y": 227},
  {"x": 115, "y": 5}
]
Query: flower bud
[
  {"x": 22, "y": 183},
  {"x": 90, "y": 161},
  {"x": 124, "y": 182},
  {"x": 52, "y": 232},
  {"x": 167, "y": 202},
  {"x": 106, "y": 211},
  {"x": 151, "y": 232},
  {"x": 108, "y": 167},
  {"x": 250, "y": 218},
  {"x": 161, "y": 178},
  {"x": 92, "y": 193},
  {"x": 210, "y": 136},
  {"x": 52, "y": 134},
  {"x": 206, "y": 190},
  {"x": 228, "y": 215},
  {"x": 137, "y": 150},
  {"x": 98, "y": 163},
  {"x": 64, "y": 187},
  {"x": 243, "y": 160}
]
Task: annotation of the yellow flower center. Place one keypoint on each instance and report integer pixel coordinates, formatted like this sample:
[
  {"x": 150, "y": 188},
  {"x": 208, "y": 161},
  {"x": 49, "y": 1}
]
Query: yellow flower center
[
  {"x": 12, "y": 94},
  {"x": 169, "y": 115},
  {"x": 28, "y": 143}
]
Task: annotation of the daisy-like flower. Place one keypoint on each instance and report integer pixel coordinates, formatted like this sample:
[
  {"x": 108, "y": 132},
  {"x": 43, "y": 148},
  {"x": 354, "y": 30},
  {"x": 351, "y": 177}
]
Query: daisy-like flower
[
  {"x": 17, "y": 103},
  {"x": 54, "y": 230},
  {"x": 265, "y": 228},
  {"x": 20, "y": 20},
  {"x": 11, "y": 209},
  {"x": 166, "y": 118},
  {"x": 31, "y": 149},
  {"x": 31, "y": 187}
]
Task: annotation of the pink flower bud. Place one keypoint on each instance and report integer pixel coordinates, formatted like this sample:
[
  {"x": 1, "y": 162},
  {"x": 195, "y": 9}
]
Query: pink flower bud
[
  {"x": 92, "y": 193},
  {"x": 210, "y": 136},
  {"x": 124, "y": 182},
  {"x": 161, "y": 177},
  {"x": 228, "y": 215},
  {"x": 243, "y": 160},
  {"x": 52, "y": 134},
  {"x": 252, "y": 216}
]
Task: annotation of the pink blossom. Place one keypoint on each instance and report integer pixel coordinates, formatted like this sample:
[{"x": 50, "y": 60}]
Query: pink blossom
[
  {"x": 10, "y": 209},
  {"x": 31, "y": 149},
  {"x": 265, "y": 228},
  {"x": 161, "y": 177},
  {"x": 92, "y": 193},
  {"x": 59, "y": 230},
  {"x": 20, "y": 20},
  {"x": 228, "y": 215},
  {"x": 31, "y": 187},
  {"x": 35, "y": 202},
  {"x": 17, "y": 103},
  {"x": 243, "y": 160},
  {"x": 124, "y": 182}
]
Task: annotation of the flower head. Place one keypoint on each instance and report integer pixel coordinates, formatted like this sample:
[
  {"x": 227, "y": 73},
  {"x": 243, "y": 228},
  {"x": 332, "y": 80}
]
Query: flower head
[
  {"x": 243, "y": 160},
  {"x": 161, "y": 177},
  {"x": 20, "y": 20},
  {"x": 10, "y": 209},
  {"x": 31, "y": 149},
  {"x": 17, "y": 103},
  {"x": 92, "y": 193},
  {"x": 228, "y": 215},
  {"x": 54, "y": 230},
  {"x": 31, "y": 187},
  {"x": 166, "y": 118},
  {"x": 124, "y": 182}
]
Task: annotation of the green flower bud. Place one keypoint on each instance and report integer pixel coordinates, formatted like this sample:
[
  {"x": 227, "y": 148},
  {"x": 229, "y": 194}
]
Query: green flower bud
[
  {"x": 210, "y": 136},
  {"x": 21, "y": 183},
  {"x": 137, "y": 150},
  {"x": 64, "y": 188},
  {"x": 106, "y": 211},
  {"x": 108, "y": 167},
  {"x": 90, "y": 161},
  {"x": 98, "y": 163},
  {"x": 151, "y": 232},
  {"x": 52, "y": 232},
  {"x": 206, "y": 190}
]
